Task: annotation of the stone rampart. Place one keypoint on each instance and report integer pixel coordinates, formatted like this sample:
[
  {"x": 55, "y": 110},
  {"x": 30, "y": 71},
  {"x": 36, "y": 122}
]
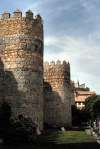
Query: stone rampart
[
  {"x": 72, "y": 93},
  {"x": 21, "y": 64},
  {"x": 57, "y": 94}
]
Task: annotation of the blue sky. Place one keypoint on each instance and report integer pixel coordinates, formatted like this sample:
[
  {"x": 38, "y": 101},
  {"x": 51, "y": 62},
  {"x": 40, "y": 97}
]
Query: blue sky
[{"x": 71, "y": 33}]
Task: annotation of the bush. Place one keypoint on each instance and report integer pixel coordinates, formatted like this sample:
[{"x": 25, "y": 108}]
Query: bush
[
  {"x": 19, "y": 130},
  {"x": 22, "y": 130},
  {"x": 5, "y": 114}
]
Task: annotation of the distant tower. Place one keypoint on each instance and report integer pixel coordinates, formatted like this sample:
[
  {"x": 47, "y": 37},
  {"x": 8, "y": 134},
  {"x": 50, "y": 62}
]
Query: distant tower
[
  {"x": 77, "y": 84},
  {"x": 21, "y": 64}
]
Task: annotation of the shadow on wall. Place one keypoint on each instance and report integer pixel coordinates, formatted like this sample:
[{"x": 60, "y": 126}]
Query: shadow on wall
[
  {"x": 54, "y": 109},
  {"x": 8, "y": 88},
  {"x": 18, "y": 90},
  {"x": 9, "y": 93},
  {"x": 8, "y": 83}
]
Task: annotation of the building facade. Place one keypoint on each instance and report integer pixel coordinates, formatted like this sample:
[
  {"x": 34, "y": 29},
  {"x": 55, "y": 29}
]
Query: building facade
[{"x": 81, "y": 93}]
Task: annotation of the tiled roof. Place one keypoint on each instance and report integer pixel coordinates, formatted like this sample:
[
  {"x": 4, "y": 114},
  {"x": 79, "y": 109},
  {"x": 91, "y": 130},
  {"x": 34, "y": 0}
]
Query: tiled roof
[
  {"x": 86, "y": 92},
  {"x": 80, "y": 99}
]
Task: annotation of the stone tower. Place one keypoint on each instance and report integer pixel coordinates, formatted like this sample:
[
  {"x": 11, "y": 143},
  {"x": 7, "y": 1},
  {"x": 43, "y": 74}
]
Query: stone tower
[
  {"x": 21, "y": 64},
  {"x": 57, "y": 94}
]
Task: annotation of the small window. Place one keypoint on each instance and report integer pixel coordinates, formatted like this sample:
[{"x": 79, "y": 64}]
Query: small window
[{"x": 79, "y": 103}]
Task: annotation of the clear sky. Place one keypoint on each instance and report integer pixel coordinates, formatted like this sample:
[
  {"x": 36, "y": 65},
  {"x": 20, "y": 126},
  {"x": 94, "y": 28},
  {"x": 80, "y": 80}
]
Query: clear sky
[{"x": 71, "y": 33}]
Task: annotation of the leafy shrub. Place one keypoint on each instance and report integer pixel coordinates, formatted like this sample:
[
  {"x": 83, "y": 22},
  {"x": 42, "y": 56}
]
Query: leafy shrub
[{"x": 5, "y": 114}]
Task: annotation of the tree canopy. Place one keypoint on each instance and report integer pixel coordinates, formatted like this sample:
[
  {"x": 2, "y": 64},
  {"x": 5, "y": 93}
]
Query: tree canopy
[{"x": 92, "y": 105}]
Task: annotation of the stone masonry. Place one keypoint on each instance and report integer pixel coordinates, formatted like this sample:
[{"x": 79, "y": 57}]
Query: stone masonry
[
  {"x": 22, "y": 85},
  {"x": 57, "y": 94},
  {"x": 21, "y": 64}
]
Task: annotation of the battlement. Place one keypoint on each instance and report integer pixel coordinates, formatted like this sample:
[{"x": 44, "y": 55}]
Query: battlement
[
  {"x": 57, "y": 65},
  {"x": 57, "y": 71},
  {"x": 21, "y": 25},
  {"x": 18, "y": 14}
]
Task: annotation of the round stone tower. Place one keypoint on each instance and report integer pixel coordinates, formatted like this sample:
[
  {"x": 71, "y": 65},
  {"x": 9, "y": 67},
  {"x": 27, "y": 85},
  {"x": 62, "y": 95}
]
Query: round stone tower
[
  {"x": 21, "y": 64},
  {"x": 57, "y": 94}
]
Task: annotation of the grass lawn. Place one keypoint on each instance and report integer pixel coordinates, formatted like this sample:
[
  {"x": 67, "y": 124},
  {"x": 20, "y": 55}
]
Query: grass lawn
[{"x": 73, "y": 138}]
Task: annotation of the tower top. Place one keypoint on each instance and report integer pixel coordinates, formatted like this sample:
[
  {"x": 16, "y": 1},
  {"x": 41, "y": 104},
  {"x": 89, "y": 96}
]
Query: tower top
[
  {"x": 21, "y": 25},
  {"x": 29, "y": 14},
  {"x": 18, "y": 14}
]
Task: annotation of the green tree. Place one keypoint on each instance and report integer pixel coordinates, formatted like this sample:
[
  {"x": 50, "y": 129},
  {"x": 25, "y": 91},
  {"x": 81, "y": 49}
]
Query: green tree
[
  {"x": 91, "y": 105},
  {"x": 96, "y": 107}
]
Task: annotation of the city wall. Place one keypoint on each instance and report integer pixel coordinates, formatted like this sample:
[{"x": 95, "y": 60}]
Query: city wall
[{"x": 57, "y": 94}]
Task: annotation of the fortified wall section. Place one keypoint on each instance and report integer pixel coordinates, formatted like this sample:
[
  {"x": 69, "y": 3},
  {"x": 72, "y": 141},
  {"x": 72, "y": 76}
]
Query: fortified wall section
[
  {"x": 21, "y": 64},
  {"x": 57, "y": 94},
  {"x": 72, "y": 93}
]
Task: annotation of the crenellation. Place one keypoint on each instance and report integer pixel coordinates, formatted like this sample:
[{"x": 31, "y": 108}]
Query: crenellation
[
  {"x": 17, "y": 14},
  {"x": 38, "y": 16},
  {"x": 46, "y": 63},
  {"x": 5, "y": 15},
  {"x": 68, "y": 63},
  {"x": 29, "y": 14},
  {"x": 39, "y": 19},
  {"x": 58, "y": 62},
  {"x": 61, "y": 67},
  {"x": 52, "y": 63},
  {"x": 64, "y": 62}
]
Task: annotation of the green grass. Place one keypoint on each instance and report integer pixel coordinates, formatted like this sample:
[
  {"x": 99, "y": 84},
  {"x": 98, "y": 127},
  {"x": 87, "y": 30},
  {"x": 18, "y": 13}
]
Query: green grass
[
  {"x": 56, "y": 139},
  {"x": 72, "y": 137}
]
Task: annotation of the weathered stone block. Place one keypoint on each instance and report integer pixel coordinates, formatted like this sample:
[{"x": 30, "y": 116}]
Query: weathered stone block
[
  {"x": 13, "y": 65},
  {"x": 24, "y": 46},
  {"x": 88, "y": 131},
  {"x": 28, "y": 46},
  {"x": 33, "y": 47},
  {"x": 2, "y": 48}
]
